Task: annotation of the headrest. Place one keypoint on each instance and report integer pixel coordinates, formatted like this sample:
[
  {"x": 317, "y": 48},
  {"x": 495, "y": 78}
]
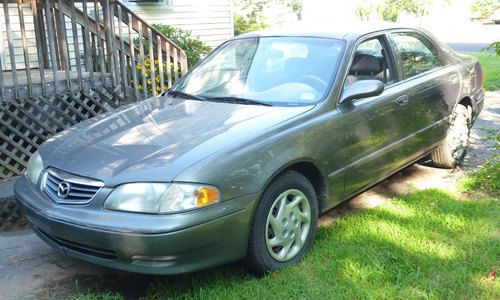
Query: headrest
[{"x": 365, "y": 64}]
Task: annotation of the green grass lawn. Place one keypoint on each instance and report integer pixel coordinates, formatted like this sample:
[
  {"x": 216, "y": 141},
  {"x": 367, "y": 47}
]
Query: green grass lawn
[
  {"x": 491, "y": 66},
  {"x": 424, "y": 245}
]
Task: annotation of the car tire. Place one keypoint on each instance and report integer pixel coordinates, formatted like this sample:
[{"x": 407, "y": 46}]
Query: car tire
[
  {"x": 284, "y": 224},
  {"x": 452, "y": 150}
]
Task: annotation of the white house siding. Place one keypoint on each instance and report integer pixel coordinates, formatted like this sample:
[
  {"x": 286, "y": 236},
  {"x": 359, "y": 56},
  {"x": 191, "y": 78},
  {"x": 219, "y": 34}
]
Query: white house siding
[
  {"x": 210, "y": 20},
  {"x": 16, "y": 37}
]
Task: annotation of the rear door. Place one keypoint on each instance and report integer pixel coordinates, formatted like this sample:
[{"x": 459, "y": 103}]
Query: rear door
[{"x": 433, "y": 86}]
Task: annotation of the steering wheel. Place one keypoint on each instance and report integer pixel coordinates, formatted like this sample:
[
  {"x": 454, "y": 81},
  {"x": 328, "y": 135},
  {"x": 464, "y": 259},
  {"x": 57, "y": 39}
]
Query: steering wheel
[{"x": 313, "y": 81}]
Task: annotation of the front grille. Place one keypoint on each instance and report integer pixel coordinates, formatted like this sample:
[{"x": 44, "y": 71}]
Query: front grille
[
  {"x": 88, "y": 250},
  {"x": 68, "y": 188}
]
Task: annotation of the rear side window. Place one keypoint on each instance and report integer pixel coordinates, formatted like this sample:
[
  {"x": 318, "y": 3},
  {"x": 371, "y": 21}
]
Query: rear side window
[{"x": 418, "y": 55}]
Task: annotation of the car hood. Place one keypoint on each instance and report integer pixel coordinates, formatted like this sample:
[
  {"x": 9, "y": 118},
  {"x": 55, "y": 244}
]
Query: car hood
[{"x": 156, "y": 139}]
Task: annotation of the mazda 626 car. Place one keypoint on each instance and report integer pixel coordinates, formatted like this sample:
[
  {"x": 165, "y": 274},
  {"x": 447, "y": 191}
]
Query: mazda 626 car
[{"x": 240, "y": 157}]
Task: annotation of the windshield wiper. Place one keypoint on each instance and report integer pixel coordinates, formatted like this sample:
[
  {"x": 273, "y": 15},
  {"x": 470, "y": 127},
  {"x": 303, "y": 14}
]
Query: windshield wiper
[
  {"x": 185, "y": 95},
  {"x": 232, "y": 99}
]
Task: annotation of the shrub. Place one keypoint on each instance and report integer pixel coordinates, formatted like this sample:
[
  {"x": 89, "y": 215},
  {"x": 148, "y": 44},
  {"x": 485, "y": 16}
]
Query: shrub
[
  {"x": 195, "y": 49},
  {"x": 243, "y": 25}
]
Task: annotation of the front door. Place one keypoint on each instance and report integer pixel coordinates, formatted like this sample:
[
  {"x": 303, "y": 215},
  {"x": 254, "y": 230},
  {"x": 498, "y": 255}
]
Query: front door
[{"x": 374, "y": 128}]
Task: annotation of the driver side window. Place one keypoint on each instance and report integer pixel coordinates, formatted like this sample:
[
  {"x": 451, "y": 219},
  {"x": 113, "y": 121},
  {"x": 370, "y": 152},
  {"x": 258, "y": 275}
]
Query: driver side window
[{"x": 371, "y": 61}]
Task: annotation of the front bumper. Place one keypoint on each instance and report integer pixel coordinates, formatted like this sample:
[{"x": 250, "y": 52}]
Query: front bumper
[{"x": 165, "y": 244}]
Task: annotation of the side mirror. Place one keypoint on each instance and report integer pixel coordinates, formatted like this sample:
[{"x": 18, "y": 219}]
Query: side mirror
[{"x": 362, "y": 89}]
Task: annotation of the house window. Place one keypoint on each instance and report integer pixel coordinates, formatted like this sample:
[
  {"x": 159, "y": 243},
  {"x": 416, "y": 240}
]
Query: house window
[{"x": 163, "y": 3}]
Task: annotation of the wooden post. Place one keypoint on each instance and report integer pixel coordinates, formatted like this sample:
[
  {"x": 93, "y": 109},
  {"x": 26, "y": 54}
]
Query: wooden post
[
  {"x": 152, "y": 62},
  {"x": 114, "y": 47},
  {"x": 43, "y": 36},
  {"x": 176, "y": 64},
  {"x": 11, "y": 49},
  {"x": 63, "y": 43},
  {"x": 132, "y": 55},
  {"x": 52, "y": 39},
  {"x": 122, "y": 53},
  {"x": 24, "y": 41},
  {"x": 76, "y": 46},
  {"x": 100, "y": 45},
  {"x": 109, "y": 41},
  {"x": 2, "y": 86},
  {"x": 160, "y": 63},
  {"x": 86, "y": 43},
  {"x": 39, "y": 44},
  {"x": 169, "y": 60},
  {"x": 141, "y": 59}
]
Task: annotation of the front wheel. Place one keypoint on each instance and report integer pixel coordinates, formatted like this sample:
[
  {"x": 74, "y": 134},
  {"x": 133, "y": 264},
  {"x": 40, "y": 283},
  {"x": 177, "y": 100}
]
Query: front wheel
[
  {"x": 284, "y": 224},
  {"x": 451, "y": 152}
]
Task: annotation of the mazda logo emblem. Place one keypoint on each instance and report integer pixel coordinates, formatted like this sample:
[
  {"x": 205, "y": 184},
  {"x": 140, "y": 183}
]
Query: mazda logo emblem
[{"x": 64, "y": 189}]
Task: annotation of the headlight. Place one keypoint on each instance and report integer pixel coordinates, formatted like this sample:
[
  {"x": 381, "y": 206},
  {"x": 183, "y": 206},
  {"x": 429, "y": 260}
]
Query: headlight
[
  {"x": 34, "y": 168},
  {"x": 159, "y": 198}
]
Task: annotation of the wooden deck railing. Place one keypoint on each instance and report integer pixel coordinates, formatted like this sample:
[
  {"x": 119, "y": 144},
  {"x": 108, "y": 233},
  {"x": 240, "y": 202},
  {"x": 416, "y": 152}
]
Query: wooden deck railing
[
  {"x": 63, "y": 62},
  {"x": 79, "y": 43}
]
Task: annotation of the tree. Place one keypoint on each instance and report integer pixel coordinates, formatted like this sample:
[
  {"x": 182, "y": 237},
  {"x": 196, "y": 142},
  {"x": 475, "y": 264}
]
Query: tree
[
  {"x": 295, "y": 6},
  {"x": 243, "y": 25},
  {"x": 389, "y": 10},
  {"x": 483, "y": 9},
  {"x": 251, "y": 18}
]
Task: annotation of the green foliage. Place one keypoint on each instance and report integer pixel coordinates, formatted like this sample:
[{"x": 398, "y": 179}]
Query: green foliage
[
  {"x": 491, "y": 67},
  {"x": 389, "y": 10},
  {"x": 487, "y": 178},
  {"x": 426, "y": 245},
  {"x": 195, "y": 49},
  {"x": 494, "y": 47},
  {"x": 250, "y": 17},
  {"x": 243, "y": 25},
  {"x": 364, "y": 11},
  {"x": 483, "y": 9}
]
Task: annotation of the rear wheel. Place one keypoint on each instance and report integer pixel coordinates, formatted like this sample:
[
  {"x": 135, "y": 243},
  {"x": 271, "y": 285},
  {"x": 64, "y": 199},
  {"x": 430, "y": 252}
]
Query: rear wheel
[
  {"x": 451, "y": 152},
  {"x": 284, "y": 224}
]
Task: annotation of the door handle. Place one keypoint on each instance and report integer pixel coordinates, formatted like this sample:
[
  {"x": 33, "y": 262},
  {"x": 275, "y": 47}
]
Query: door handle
[{"x": 402, "y": 100}]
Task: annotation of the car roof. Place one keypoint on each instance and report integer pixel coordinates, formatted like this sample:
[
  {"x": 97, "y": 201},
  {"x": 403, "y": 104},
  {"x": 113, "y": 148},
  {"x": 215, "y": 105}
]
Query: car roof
[{"x": 336, "y": 31}]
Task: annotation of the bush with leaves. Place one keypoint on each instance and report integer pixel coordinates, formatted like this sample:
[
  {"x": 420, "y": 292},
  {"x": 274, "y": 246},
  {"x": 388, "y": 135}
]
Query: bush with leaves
[
  {"x": 243, "y": 25},
  {"x": 495, "y": 47},
  {"x": 195, "y": 48}
]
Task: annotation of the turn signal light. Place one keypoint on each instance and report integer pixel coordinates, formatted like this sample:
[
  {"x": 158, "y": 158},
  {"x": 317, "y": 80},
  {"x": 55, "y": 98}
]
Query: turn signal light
[{"x": 207, "y": 196}]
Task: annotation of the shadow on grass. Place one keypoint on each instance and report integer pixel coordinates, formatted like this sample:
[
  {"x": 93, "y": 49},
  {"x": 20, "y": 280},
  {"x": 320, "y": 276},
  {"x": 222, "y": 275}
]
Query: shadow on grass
[{"x": 426, "y": 244}]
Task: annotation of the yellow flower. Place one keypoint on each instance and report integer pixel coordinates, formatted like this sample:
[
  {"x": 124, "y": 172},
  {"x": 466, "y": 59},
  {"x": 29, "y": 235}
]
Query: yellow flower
[
  {"x": 139, "y": 67},
  {"x": 158, "y": 88},
  {"x": 139, "y": 87},
  {"x": 157, "y": 78},
  {"x": 156, "y": 61},
  {"x": 149, "y": 81},
  {"x": 131, "y": 81}
]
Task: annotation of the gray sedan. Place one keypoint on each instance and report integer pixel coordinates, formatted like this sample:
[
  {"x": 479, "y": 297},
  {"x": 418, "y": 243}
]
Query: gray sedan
[{"x": 243, "y": 154}]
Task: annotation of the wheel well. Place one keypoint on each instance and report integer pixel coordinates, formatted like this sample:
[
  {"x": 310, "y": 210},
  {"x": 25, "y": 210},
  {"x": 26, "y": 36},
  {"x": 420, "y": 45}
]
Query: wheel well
[{"x": 313, "y": 174}]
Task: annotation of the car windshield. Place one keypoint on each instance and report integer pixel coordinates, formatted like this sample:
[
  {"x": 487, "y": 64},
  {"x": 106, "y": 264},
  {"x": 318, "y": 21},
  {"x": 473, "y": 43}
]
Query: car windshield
[{"x": 266, "y": 70}]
